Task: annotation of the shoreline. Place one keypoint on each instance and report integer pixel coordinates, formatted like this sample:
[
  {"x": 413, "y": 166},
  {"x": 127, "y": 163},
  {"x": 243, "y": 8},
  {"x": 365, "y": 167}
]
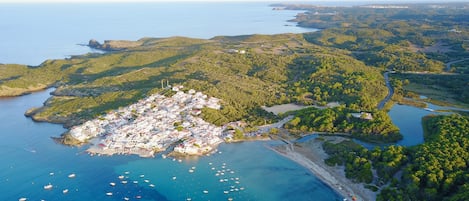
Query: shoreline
[{"x": 312, "y": 158}]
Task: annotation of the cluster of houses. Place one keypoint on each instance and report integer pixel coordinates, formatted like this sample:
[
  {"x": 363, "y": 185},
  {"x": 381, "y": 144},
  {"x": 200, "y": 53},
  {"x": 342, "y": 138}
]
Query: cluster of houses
[{"x": 152, "y": 125}]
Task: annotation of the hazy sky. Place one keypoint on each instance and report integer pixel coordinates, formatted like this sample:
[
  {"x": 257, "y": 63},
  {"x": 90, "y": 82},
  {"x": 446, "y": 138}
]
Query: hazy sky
[{"x": 286, "y": 1}]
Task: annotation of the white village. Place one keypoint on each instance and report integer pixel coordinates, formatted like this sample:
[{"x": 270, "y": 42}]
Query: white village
[{"x": 152, "y": 125}]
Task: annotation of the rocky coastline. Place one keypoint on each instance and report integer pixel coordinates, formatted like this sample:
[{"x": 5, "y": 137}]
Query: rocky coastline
[{"x": 114, "y": 45}]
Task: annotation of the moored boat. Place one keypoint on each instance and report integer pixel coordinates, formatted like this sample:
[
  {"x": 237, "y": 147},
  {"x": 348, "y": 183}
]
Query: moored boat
[{"x": 48, "y": 187}]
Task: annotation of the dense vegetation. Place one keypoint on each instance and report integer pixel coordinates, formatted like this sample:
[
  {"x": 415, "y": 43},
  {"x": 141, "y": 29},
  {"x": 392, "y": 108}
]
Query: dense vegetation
[
  {"x": 406, "y": 38},
  {"x": 340, "y": 120},
  {"x": 275, "y": 69},
  {"x": 415, "y": 37},
  {"x": 435, "y": 170},
  {"x": 438, "y": 169},
  {"x": 359, "y": 161},
  {"x": 342, "y": 63}
]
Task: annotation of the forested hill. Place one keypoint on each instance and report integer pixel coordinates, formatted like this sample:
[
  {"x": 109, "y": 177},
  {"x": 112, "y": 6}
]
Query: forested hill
[
  {"x": 402, "y": 37},
  {"x": 246, "y": 72}
]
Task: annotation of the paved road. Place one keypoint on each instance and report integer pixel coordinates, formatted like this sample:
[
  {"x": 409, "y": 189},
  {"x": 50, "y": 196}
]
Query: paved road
[
  {"x": 448, "y": 65},
  {"x": 390, "y": 92}
]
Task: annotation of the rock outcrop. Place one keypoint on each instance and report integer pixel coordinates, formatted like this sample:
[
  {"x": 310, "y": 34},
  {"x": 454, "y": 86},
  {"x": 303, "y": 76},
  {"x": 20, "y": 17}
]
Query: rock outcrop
[{"x": 114, "y": 45}]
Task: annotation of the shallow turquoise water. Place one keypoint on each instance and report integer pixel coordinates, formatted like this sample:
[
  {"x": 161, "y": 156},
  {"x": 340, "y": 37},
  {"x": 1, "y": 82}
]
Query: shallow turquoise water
[{"x": 29, "y": 157}]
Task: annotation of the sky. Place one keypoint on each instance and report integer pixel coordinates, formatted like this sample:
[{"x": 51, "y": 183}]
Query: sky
[{"x": 286, "y": 1}]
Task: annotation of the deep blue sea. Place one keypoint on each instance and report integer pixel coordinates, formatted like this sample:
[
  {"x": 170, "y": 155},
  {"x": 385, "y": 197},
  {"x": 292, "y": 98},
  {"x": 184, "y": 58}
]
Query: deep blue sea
[
  {"x": 30, "y": 159},
  {"x": 32, "y": 33}
]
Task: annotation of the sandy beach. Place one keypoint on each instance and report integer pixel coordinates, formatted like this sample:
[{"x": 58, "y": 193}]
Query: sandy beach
[{"x": 311, "y": 155}]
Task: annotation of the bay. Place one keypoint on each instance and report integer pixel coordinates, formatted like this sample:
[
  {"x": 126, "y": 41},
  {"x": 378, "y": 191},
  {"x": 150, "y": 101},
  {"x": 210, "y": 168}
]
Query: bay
[{"x": 32, "y": 160}]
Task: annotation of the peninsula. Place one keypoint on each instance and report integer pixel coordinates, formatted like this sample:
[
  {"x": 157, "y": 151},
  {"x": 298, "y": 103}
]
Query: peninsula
[
  {"x": 152, "y": 125},
  {"x": 114, "y": 99}
]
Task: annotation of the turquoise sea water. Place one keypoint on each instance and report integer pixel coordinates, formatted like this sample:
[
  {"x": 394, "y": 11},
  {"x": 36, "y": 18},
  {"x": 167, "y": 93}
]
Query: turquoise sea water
[{"x": 30, "y": 159}]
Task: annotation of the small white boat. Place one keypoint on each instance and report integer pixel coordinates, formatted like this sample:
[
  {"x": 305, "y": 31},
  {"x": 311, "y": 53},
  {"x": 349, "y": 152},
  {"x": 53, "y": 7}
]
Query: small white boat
[
  {"x": 73, "y": 175},
  {"x": 142, "y": 175},
  {"x": 138, "y": 197},
  {"x": 193, "y": 167},
  {"x": 241, "y": 189},
  {"x": 205, "y": 191},
  {"x": 121, "y": 177},
  {"x": 146, "y": 181},
  {"x": 124, "y": 182},
  {"x": 22, "y": 199},
  {"x": 226, "y": 192},
  {"x": 109, "y": 193},
  {"x": 126, "y": 198},
  {"x": 65, "y": 191},
  {"x": 429, "y": 109},
  {"x": 230, "y": 199},
  {"x": 48, "y": 187},
  {"x": 152, "y": 185},
  {"x": 127, "y": 172},
  {"x": 191, "y": 170},
  {"x": 135, "y": 182},
  {"x": 51, "y": 174},
  {"x": 112, "y": 184},
  {"x": 174, "y": 178},
  {"x": 188, "y": 199}
]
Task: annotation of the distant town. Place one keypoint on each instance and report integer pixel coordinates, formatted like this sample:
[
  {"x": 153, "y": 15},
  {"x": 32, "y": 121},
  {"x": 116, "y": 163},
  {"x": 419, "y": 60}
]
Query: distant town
[{"x": 154, "y": 124}]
